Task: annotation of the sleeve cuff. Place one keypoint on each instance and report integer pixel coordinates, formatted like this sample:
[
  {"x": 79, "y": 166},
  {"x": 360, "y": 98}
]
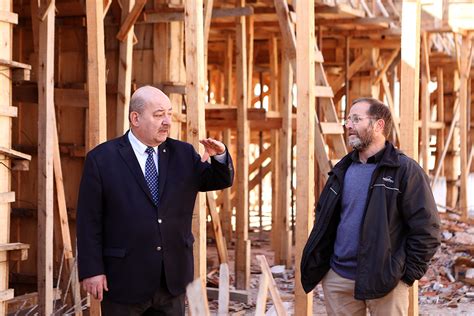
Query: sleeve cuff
[{"x": 221, "y": 158}]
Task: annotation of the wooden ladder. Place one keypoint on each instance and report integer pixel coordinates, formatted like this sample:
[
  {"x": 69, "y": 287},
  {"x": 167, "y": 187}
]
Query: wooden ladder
[
  {"x": 329, "y": 135},
  {"x": 329, "y": 144}
]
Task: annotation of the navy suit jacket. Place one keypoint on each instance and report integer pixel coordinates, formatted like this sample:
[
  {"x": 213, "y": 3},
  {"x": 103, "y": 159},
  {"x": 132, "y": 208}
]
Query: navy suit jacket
[{"x": 122, "y": 234}]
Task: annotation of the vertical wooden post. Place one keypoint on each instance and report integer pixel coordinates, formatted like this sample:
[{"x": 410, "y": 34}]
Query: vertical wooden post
[
  {"x": 124, "y": 83},
  {"x": 242, "y": 249},
  {"x": 6, "y": 35},
  {"x": 97, "y": 122},
  {"x": 440, "y": 115},
  {"x": 284, "y": 205},
  {"x": 305, "y": 122},
  {"x": 464, "y": 123},
  {"x": 45, "y": 158},
  {"x": 228, "y": 96},
  {"x": 96, "y": 73},
  {"x": 409, "y": 96},
  {"x": 425, "y": 104},
  {"x": 277, "y": 225},
  {"x": 194, "y": 38}
]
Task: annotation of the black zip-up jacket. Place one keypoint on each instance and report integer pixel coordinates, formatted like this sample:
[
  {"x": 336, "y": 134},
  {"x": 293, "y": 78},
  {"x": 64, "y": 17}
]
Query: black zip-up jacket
[{"x": 399, "y": 233}]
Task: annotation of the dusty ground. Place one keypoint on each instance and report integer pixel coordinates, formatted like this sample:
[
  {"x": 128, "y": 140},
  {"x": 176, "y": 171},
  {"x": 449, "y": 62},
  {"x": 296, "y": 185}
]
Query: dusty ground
[{"x": 439, "y": 292}]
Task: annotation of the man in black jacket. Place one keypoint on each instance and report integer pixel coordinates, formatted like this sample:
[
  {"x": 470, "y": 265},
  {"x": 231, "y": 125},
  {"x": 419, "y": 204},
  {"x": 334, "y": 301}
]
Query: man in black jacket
[
  {"x": 377, "y": 225},
  {"x": 135, "y": 207}
]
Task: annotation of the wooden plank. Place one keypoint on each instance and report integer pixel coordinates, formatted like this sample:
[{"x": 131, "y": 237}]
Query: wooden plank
[
  {"x": 7, "y": 197},
  {"x": 391, "y": 105},
  {"x": 70, "y": 270},
  {"x": 194, "y": 49},
  {"x": 96, "y": 73},
  {"x": 217, "y": 13},
  {"x": 45, "y": 160},
  {"x": 425, "y": 106},
  {"x": 8, "y": 17},
  {"x": 223, "y": 306},
  {"x": 283, "y": 256},
  {"x": 130, "y": 20},
  {"x": 409, "y": 93},
  {"x": 281, "y": 311},
  {"x": 14, "y": 64},
  {"x": 26, "y": 301},
  {"x": 14, "y": 154},
  {"x": 262, "y": 294},
  {"x": 287, "y": 31},
  {"x": 275, "y": 141},
  {"x": 305, "y": 139},
  {"x": 96, "y": 83},
  {"x": 331, "y": 128},
  {"x": 464, "y": 120},
  {"x": 10, "y": 111},
  {"x": 13, "y": 246},
  {"x": 242, "y": 251},
  {"x": 6, "y": 295},
  {"x": 388, "y": 64},
  {"x": 197, "y": 299},
  {"x": 216, "y": 225},
  {"x": 124, "y": 83},
  {"x": 234, "y": 295},
  {"x": 323, "y": 92},
  {"x": 226, "y": 209}
]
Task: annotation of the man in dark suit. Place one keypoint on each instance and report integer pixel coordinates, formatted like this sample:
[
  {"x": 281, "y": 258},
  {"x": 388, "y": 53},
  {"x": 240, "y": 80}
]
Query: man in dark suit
[{"x": 134, "y": 214}]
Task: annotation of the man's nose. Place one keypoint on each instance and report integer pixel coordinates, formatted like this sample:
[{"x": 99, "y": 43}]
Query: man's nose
[{"x": 167, "y": 120}]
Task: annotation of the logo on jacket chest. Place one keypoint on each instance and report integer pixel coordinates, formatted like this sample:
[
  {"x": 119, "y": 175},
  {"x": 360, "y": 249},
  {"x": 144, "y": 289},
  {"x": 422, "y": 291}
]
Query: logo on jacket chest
[{"x": 388, "y": 179}]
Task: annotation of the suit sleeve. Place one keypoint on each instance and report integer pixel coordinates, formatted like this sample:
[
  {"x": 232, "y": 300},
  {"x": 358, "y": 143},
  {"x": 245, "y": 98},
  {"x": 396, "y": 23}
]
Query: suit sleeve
[
  {"x": 421, "y": 215},
  {"x": 89, "y": 221},
  {"x": 214, "y": 175}
]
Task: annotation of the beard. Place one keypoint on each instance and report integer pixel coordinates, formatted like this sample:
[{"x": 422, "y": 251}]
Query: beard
[{"x": 361, "y": 141}]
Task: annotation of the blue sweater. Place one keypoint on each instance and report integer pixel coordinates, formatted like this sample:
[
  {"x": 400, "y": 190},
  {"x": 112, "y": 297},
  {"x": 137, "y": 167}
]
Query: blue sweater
[{"x": 354, "y": 198}]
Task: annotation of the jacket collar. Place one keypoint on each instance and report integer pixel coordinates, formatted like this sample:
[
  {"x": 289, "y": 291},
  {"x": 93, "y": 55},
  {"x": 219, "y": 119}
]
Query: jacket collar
[{"x": 389, "y": 158}]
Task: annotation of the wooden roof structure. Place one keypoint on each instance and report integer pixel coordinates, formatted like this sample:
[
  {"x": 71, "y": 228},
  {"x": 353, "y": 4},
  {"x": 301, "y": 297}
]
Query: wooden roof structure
[{"x": 266, "y": 76}]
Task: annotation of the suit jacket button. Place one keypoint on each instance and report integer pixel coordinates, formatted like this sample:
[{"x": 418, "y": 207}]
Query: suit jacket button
[
  {"x": 158, "y": 248},
  {"x": 159, "y": 221}
]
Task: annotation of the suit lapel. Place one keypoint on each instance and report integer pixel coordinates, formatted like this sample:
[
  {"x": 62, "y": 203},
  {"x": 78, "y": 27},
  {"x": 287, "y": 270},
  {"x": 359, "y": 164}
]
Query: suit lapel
[
  {"x": 128, "y": 155},
  {"x": 163, "y": 158}
]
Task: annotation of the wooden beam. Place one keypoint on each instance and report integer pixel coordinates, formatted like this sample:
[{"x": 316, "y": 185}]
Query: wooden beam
[
  {"x": 96, "y": 84},
  {"x": 234, "y": 295},
  {"x": 466, "y": 61},
  {"x": 223, "y": 308},
  {"x": 96, "y": 73},
  {"x": 124, "y": 83},
  {"x": 287, "y": 31},
  {"x": 216, "y": 225},
  {"x": 194, "y": 50},
  {"x": 305, "y": 138},
  {"x": 280, "y": 308},
  {"x": 69, "y": 269},
  {"x": 8, "y": 17},
  {"x": 130, "y": 20},
  {"x": 45, "y": 160},
  {"x": 283, "y": 255},
  {"x": 411, "y": 16},
  {"x": 242, "y": 249},
  {"x": 425, "y": 104}
]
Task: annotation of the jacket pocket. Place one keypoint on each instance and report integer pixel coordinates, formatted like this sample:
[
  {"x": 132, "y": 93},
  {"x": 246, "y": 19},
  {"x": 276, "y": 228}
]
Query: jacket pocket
[{"x": 114, "y": 252}]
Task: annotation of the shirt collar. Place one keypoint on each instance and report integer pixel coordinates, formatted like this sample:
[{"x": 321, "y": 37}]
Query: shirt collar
[
  {"x": 372, "y": 159},
  {"x": 137, "y": 145}
]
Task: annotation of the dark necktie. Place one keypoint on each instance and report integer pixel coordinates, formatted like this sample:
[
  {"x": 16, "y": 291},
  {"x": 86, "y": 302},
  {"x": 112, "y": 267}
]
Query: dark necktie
[{"x": 151, "y": 174}]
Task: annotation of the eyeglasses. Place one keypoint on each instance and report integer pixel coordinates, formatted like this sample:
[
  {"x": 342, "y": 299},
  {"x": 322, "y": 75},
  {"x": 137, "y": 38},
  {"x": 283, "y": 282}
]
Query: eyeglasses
[{"x": 355, "y": 119}]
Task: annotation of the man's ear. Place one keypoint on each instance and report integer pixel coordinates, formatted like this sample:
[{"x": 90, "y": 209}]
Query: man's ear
[
  {"x": 381, "y": 125},
  {"x": 134, "y": 118}
]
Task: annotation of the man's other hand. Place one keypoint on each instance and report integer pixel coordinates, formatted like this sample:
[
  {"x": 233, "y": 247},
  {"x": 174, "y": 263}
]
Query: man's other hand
[{"x": 95, "y": 286}]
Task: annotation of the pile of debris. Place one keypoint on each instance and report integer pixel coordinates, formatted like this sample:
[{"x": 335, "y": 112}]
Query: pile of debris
[{"x": 450, "y": 277}]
